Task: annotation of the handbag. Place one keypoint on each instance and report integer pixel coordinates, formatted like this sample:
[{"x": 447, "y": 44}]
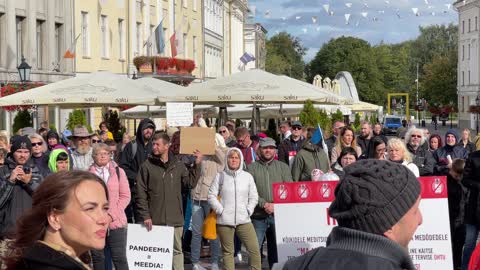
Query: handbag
[{"x": 209, "y": 230}]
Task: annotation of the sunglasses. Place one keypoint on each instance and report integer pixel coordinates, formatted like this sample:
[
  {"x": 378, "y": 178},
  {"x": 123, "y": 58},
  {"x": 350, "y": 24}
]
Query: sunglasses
[
  {"x": 222, "y": 131},
  {"x": 416, "y": 136},
  {"x": 37, "y": 144},
  {"x": 296, "y": 128},
  {"x": 96, "y": 141}
]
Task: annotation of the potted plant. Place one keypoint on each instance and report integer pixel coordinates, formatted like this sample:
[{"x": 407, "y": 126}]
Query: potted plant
[{"x": 139, "y": 61}]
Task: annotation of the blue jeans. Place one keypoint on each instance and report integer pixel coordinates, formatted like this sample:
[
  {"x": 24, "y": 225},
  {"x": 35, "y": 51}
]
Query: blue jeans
[
  {"x": 470, "y": 243},
  {"x": 200, "y": 210},
  {"x": 117, "y": 242},
  {"x": 266, "y": 227}
]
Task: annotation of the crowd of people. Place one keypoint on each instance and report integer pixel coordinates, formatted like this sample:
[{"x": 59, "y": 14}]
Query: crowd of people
[{"x": 66, "y": 193}]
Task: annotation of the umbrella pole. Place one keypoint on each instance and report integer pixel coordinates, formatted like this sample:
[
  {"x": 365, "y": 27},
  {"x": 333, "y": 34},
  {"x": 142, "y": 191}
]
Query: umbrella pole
[{"x": 254, "y": 116}]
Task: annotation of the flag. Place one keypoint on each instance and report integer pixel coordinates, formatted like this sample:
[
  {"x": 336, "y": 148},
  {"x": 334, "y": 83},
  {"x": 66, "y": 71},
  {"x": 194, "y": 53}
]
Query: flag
[
  {"x": 159, "y": 38},
  {"x": 173, "y": 45},
  {"x": 70, "y": 52},
  {"x": 317, "y": 138},
  {"x": 246, "y": 57}
]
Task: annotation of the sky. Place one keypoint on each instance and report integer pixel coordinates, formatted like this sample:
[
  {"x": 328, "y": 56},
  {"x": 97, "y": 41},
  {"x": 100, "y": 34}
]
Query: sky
[{"x": 315, "y": 22}]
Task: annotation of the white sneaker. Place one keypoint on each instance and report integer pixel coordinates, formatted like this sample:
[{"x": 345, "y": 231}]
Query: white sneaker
[
  {"x": 197, "y": 266},
  {"x": 238, "y": 258},
  {"x": 215, "y": 266}
]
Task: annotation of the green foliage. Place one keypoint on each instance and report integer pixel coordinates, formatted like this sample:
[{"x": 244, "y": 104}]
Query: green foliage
[
  {"x": 285, "y": 55},
  {"x": 238, "y": 123},
  {"x": 325, "y": 123},
  {"x": 272, "y": 130},
  {"x": 114, "y": 125},
  {"x": 21, "y": 120},
  {"x": 77, "y": 117},
  {"x": 52, "y": 127},
  {"x": 440, "y": 80},
  {"x": 309, "y": 116},
  {"x": 337, "y": 116},
  {"x": 356, "y": 123}
]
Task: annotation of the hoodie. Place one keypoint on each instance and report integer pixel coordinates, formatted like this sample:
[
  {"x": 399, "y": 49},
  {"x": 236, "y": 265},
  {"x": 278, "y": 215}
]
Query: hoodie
[
  {"x": 310, "y": 157},
  {"x": 233, "y": 194},
  {"x": 52, "y": 160},
  {"x": 441, "y": 155},
  {"x": 131, "y": 162}
]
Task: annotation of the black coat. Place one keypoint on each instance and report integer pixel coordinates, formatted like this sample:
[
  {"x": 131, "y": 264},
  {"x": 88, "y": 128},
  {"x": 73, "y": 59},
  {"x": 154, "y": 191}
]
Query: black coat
[
  {"x": 288, "y": 145},
  {"x": 423, "y": 159},
  {"x": 441, "y": 154},
  {"x": 43, "y": 257},
  {"x": 457, "y": 201},
  {"x": 364, "y": 144},
  {"x": 471, "y": 180},
  {"x": 470, "y": 147}
]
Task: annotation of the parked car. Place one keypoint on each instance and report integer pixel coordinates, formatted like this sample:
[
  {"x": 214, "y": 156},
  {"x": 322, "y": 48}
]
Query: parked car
[{"x": 391, "y": 123}]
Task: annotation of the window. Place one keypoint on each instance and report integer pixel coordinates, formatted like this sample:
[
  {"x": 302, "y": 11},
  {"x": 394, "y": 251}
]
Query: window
[
  {"x": 463, "y": 104},
  {"x": 58, "y": 42},
  {"x": 121, "y": 39},
  {"x": 463, "y": 52},
  {"x": 194, "y": 5},
  {"x": 194, "y": 48},
  {"x": 39, "y": 43},
  {"x": 463, "y": 77},
  {"x": 185, "y": 47},
  {"x": 20, "y": 35},
  {"x": 138, "y": 35},
  {"x": 151, "y": 39},
  {"x": 104, "y": 35},
  {"x": 469, "y": 25},
  {"x": 85, "y": 35},
  {"x": 468, "y": 51},
  {"x": 164, "y": 38},
  {"x": 469, "y": 77},
  {"x": 463, "y": 27}
]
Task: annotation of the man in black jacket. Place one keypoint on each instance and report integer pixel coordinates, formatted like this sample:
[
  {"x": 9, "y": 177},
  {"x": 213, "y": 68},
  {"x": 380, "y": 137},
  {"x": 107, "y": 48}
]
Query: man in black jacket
[
  {"x": 376, "y": 220},
  {"x": 133, "y": 155},
  {"x": 363, "y": 140},
  {"x": 288, "y": 148},
  {"x": 421, "y": 157}
]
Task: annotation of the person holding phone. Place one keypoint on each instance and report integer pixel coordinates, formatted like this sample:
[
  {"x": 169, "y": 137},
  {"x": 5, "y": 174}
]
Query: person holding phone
[{"x": 19, "y": 178}]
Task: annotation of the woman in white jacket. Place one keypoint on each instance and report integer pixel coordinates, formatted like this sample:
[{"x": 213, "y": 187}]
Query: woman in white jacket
[
  {"x": 238, "y": 198},
  {"x": 397, "y": 152}
]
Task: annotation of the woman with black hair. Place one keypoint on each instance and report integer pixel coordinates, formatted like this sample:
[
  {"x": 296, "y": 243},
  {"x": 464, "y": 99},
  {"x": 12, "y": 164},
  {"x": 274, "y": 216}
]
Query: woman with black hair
[{"x": 348, "y": 155}]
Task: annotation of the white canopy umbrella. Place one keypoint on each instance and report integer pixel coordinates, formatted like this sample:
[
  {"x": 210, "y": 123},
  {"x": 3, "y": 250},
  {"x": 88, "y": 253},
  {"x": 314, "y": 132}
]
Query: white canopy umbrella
[
  {"x": 253, "y": 86},
  {"x": 98, "y": 88},
  {"x": 161, "y": 111}
]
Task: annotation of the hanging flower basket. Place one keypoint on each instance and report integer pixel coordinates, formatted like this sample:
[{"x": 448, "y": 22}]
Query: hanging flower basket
[
  {"x": 474, "y": 109},
  {"x": 189, "y": 65},
  {"x": 16, "y": 88}
]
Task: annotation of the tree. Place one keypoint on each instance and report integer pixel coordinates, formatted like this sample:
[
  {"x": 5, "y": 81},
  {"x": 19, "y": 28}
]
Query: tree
[
  {"x": 337, "y": 116},
  {"x": 355, "y": 56},
  {"x": 21, "y": 120},
  {"x": 272, "y": 130},
  {"x": 325, "y": 123},
  {"x": 114, "y": 125},
  {"x": 440, "y": 80},
  {"x": 285, "y": 55},
  {"x": 309, "y": 116},
  {"x": 77, "y": 117}
]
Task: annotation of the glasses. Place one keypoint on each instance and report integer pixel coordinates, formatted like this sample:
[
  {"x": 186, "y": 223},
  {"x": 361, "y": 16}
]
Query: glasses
[
  {"x": 416, "y": 136},
  {"x": 37, "y": 144},
  {"x": 222, "y": 131},
  {"x": 95, "y": 141},
  {"x": 297, "y": 128},
  {"x": 242, "y": 140}
]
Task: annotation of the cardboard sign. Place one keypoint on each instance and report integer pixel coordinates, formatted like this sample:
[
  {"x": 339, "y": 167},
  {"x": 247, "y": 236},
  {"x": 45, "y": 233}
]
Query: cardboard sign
[
  {"x": 149, "y": 249},
  {"x": 179, "y": 114},
  {"x": 303, "y": 223},
  {"x": 195, "y": 138}
]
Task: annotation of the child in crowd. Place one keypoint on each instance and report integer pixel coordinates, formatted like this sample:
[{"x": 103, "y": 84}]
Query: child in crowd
[{"x": 58, "y": 161}]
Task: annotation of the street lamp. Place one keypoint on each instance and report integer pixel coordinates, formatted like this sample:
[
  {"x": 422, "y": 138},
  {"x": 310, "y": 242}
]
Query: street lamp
[
  {"x": 24, "y": 71},
  {"x": 477, "y": 102}
]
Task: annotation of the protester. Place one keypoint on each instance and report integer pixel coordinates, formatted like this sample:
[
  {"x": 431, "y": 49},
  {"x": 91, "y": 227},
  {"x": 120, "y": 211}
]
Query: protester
[
  {"x": 227, "y": 136},
  {"x": 239, "y": 197},
  {"x": 58, "y": 161},
  {"x": 397, "y": 152},
  {"x": 133, "y": 155},
  {"x": 66, "y": 134},
  {"x": 285, "y": 130},
  {"x": 19, "y": 178},
  {"x": 52, "y": 139},
  {"x": 3, "y": 156},
  {"x": 103, "y": 135},
  {"x": 43, "y": 132},
  {"x": 82, "y": 155},
  {"x": 69, "y": 217},
  {"x": 210, "y": 166},
  {"x": 363, "y": 140},
  {"x": 376, "y": 220},
  {"x": 457, "y": 200},
  {"x": 39, "y": 153},
  {"x": 246, "y": 145},
  {"x": 103, "y": 128},
  {"x": 378, "y": 132},
  {"x": 119, "y": 197},
  {"x": 95, "y": 138},
  {"x": 378, "y": 149},
  {"x": 311, "y": 156},
  {"x": 466, "y": 141},
  {"x": 288, "y": 148},
  {"x": 445, "y": 155},
  {"x": 4, "y": 142},
  {"x": 347, "y": 157},
  {"x": 230, "y": 124},
  {"x": 159, "y": 188},
  {"x": 424, "y": 160},
  {"x": 331, "y": 142},
  {"x": 471, "y": 180},
  {"x": 126, "y": 138},
  {"x": 434, "y": 142},
  {"x": 265, "y": 172},
  {"x": 347, "y": 139}
]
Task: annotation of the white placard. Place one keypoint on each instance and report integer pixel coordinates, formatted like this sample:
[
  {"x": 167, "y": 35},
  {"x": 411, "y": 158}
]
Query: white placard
[
  {"x": 149, "y": 249},
  {"x": 179, "y": 114}
]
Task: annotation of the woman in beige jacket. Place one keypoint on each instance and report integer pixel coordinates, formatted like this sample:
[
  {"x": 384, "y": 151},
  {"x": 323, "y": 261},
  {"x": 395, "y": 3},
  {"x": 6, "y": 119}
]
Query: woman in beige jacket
[{"x": 211, "y": 165}]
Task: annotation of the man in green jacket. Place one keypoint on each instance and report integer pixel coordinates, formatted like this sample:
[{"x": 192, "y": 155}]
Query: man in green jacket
[
  {"x": 159, "y": 191},
  {"x": 310, "y": 157},
  {"x": 265, "y": 172}
]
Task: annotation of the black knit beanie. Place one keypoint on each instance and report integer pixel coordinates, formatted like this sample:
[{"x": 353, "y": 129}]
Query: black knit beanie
[
  {"x": 20, "y": 142},
  {"x": 374, "y": 195}
]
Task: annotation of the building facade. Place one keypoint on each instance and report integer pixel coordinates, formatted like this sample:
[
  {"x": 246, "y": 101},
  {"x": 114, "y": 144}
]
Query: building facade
[
  {"x": 255, "y": 44},
  {"x": 40, "y": 31},
  {"x": 468, "y": 85}
]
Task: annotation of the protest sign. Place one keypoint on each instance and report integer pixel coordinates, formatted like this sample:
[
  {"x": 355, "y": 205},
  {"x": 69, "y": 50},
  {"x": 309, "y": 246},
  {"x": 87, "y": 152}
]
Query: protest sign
[
  {"x": 179, "y": 114},
  {"x": 303, "y": 223},
  {"x": 195, "y": 138},
  {"x": 149, "y": 249}
]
